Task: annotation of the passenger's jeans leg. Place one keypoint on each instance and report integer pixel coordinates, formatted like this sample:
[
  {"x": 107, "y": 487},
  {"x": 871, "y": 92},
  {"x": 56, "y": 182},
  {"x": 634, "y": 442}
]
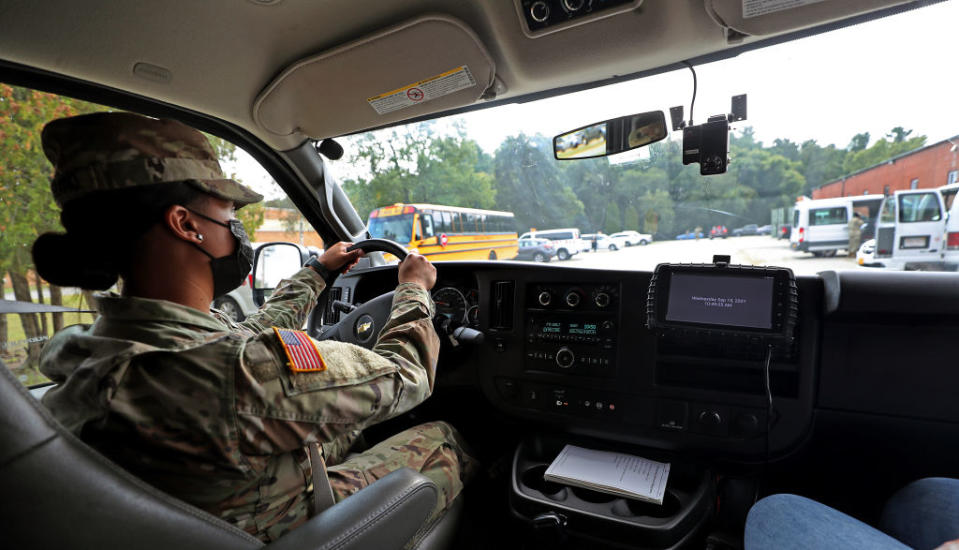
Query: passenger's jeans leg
[
  {"x": 924, "y": 514},
  {"x": 786, "y": 522}
]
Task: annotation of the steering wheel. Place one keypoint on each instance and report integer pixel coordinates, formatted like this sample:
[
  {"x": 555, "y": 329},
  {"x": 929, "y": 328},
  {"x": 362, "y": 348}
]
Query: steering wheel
[
  {"x": 362, "y": 325},
  {"x": 380, "y": 245}
]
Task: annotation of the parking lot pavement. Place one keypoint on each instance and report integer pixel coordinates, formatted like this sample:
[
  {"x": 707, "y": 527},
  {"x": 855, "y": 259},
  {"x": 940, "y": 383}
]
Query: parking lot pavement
[{"x": 753, "y": 250}]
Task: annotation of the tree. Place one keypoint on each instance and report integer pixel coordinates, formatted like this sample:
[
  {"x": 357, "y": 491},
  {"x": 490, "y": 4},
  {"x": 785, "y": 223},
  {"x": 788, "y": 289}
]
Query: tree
[
  {"x": 252, "y": 216},
  {"x": 27, "y": 208},
  {"x": 882, "y": 150},
  {"x": 820, "y": 165},
  {"x": 529, "y": 184},
  {"x": 899, "y": 134},
  {"x": 859, "y": 142},
  {"x": 415, "y": 164}
]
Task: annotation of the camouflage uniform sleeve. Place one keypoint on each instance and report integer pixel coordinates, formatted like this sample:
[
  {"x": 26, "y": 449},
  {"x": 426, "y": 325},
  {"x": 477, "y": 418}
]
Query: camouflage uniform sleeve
[
  {"x": 278, "y": 410},
  {"x": 290, "y": 303}
]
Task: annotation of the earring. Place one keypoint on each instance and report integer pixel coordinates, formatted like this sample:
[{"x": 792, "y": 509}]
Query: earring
[{"x": 199, "y": 237}]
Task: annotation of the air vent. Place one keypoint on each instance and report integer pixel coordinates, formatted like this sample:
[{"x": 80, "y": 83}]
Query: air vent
[
  {"x": 501, "y": 305},
  {"x": 332, "y": 315}
]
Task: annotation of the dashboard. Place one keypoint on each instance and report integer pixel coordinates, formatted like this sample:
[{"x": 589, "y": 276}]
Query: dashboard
[{"x": 572, "y": 350}]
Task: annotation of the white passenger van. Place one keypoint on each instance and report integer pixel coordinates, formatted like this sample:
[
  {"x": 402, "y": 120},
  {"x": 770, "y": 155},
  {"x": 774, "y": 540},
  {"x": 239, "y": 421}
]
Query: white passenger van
[
  {"x": 821, "y": 226},
  {"x": 566, "y": 240},
  {"x": 919, "y": 230}
]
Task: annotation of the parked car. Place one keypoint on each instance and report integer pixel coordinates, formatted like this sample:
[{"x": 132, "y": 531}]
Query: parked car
[
  {"x": 567, "y": 240},
  {"x": 604, "y": 242},
  {"x": 689, "y": 235},
  {"x": 749, "y": 229},
  {"x": 633, "y": 238},
  {"x": 866, "y": 255},
  {"x": 537, "y": 250},
  {"x": 764, "y": 230},
  {"x": 718, "y": 231},
  {"x": 237, "y": 303}
]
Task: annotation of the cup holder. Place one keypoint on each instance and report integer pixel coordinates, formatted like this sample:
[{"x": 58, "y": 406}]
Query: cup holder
[
  {"x": 632, "y": 508},
  {"x": 533, "y": 478},
  {"x": 588, "y": 495}
]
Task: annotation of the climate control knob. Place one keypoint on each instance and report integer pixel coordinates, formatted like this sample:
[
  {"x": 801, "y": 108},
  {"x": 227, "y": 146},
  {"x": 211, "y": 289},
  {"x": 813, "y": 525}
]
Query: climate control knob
[
  {"x": 565, "y": 358},
  {"x": 572, "y": 298},
  {"x": 544, "y": 298},
  {"x": 601, "y": 299}
]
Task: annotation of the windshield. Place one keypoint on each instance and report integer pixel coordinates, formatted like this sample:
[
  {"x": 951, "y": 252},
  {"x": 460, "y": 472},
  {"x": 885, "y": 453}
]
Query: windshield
[{"x": 825, "y": 118}]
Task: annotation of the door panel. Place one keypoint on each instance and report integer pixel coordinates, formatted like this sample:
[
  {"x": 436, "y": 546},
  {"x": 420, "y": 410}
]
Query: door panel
[{"x": 920, "y": 227}]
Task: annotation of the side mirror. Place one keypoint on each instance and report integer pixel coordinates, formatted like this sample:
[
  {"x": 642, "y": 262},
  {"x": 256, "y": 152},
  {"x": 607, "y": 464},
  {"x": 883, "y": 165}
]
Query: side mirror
[
  {"x": 272, "y": 263},
  {"x": 611, "y": 137}
]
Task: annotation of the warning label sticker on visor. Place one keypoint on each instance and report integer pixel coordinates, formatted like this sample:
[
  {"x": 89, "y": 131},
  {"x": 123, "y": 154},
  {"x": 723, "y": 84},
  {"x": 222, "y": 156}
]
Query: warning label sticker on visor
[
  {"x": 756, "y": 8},
  {"x": 446, "y": 83}
]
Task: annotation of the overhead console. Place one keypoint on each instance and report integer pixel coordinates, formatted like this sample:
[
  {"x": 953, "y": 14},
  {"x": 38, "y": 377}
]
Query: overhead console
[
  {"x": 574, "y": 350},
  {"x": 545, "y": 16}
]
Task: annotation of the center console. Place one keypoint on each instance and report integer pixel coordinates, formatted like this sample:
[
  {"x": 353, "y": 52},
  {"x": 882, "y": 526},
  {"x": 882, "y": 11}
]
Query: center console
[
  {"x": 682, "y": 368},
  {"x": 686, "y": 509},
  {"x": 572, "y": 329}
]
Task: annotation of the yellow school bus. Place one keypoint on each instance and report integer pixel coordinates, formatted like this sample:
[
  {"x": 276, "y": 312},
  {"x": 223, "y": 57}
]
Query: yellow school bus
[{"x": 447, "y": 232}]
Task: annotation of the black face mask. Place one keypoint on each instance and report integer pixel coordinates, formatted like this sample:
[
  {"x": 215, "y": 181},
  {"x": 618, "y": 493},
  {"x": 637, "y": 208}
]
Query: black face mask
[{"x": 229, "y": 271}]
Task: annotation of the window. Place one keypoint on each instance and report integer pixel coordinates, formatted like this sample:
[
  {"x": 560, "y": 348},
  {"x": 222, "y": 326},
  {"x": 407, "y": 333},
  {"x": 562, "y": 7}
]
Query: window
[
  {"x": 919, "y": 207},
  {"x": 952, "y": 177},
  {"x": 888, "y": 213},
  {"x": 795, "y": 218},
  {"x": 914, "y": 184},
  {"x": 395, "y": 228},
  {"x": 949, "y": 197},
  {"x": 426, "y": 221},
  {"x": 456, "y": 225},
  {"x": 828, "y": 216}
]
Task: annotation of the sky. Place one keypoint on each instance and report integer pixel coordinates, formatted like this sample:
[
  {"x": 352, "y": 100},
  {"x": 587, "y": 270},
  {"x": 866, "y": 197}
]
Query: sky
[{"x": 898, "y": 71}]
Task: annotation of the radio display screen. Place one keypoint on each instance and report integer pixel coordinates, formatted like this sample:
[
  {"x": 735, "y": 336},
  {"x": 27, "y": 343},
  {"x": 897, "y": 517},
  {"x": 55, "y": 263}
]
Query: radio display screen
[
  {"x": 568, "y": 328},
  {"x": 721, "y": 300}
]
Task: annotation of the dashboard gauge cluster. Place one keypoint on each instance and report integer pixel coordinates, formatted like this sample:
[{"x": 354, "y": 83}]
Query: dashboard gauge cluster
[{"x": 458, "y": 304}]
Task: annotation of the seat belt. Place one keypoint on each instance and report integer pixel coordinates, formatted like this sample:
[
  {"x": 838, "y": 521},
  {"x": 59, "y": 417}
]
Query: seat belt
[{"x": 322, "y": 490}]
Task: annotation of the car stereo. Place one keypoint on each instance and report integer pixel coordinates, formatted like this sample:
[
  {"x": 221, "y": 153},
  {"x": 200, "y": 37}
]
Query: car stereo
[{"x": 724, "y": 300}]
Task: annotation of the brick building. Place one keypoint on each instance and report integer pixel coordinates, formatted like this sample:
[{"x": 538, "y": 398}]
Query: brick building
[
  {"x": 277, "y": 225},
  {"x": 930, "y": 166}
]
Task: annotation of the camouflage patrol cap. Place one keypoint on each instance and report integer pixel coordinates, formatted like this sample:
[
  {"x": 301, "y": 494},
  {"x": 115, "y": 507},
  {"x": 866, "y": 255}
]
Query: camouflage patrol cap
[{"x": 107, "y": 151}]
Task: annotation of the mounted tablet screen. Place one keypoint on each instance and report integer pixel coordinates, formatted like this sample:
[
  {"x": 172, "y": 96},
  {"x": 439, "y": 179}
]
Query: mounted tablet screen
[{"x": 721, "y": 300}]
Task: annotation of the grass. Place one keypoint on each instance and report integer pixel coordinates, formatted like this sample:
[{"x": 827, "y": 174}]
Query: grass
[{"x": 15, "y": 354}]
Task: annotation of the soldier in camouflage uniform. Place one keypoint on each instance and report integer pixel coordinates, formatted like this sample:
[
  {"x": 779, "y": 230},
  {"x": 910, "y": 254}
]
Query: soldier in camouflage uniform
[{"x": 204, "y": 408}]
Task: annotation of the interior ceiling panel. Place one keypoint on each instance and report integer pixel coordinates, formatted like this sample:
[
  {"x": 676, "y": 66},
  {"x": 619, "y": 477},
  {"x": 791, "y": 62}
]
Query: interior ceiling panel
[{"x": 221, "y": 54}]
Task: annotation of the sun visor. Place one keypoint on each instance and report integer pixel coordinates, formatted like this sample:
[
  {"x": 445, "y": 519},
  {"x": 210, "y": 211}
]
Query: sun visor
[
  {"x": 769, "y": 17},
  {"x": 423, "y": 66}
]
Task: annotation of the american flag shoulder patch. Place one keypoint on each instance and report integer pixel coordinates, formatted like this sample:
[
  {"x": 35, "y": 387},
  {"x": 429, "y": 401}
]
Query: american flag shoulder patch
[{"x": 300, "y": 350}]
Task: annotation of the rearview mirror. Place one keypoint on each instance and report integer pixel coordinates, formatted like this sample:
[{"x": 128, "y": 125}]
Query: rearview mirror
[{"x": 610, "y": 137}]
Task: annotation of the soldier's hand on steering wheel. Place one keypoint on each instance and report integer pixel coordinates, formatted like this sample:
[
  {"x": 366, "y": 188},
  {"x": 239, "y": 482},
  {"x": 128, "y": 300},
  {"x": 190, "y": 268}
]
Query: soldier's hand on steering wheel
[
  {"x": 337, "y": 260},
  {"x": 417, "y": 269}
]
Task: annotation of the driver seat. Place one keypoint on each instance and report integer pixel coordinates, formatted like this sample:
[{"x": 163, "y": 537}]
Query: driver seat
[{"x": 60, "y": 493}]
